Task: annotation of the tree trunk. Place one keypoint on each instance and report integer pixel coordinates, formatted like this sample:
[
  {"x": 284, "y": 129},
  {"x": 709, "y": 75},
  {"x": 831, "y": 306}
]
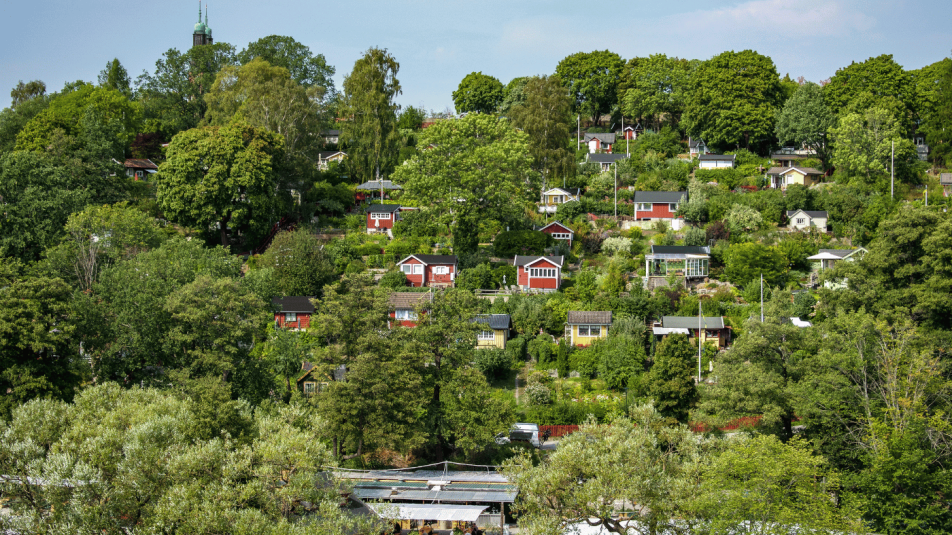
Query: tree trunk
[{"x": 223, "y": 230}]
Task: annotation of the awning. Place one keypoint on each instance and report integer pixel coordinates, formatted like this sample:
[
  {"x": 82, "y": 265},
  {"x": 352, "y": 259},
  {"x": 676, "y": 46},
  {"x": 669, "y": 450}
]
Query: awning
[
  {"x": 824, "y": 256},
  {"x": 670, "y": 330},
  {"x": 458, "y": 513},
  {"x": 151, "y": 171}
]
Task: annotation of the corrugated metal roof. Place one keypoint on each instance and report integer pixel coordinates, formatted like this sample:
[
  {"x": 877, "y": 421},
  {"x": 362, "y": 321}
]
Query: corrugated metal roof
[
  {"x": 660, "y": 196},
  {"x": 495, "y": 321},
  {"x": 691, "y": 322},
  {"x": 294, "y": 303},
  {"x": 452, "y": 476}
]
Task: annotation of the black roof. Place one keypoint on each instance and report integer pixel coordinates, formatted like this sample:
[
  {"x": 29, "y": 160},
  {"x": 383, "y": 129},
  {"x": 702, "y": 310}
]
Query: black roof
[
  {"x": 813, "y": 214},
  {"x": 294, "y": 303},
  {"x": 526, "y": 260},
  {"x": 389, "y": 208},
  {"x": 660, "y": 196},
  {"x": 495, "y": 321},
  {"x": 718, "y": 157},
  {"x": 433, "y": 258},
  {"x": 679, "y": 249},
  {"x": 330, "y": 133},
  {"x": 606, "y": 158}
]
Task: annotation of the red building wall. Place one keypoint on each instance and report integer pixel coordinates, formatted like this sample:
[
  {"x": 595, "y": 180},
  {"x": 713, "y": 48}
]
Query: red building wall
[
  {"x": 428, "y": 277},
  {"x": 303, "y": 321},
  {"x": 658, "y": 210},
  {"x": 416, "y": 280},
  {"x": 393, "y": 321},
  {"x": 559, "y": 229},
  {"x": 384, "y": 223},
  {"x": 536, "y": 282}
]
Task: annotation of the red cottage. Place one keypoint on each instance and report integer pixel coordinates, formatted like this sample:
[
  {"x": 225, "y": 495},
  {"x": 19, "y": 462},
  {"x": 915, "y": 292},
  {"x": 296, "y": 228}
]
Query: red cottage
[
  {"x": 429, "y": 269},
  {"x": 658, "y": 205},
  {"x": 542, "y": 273},
  {"x": 293, "y": 312},
  {"x": 405, "y": 307},
  {"x": 558, "y": 231},
  {"x": 381, "y": 217}
]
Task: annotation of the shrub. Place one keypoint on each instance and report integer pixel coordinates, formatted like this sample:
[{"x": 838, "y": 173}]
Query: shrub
[
  {"x": 568, "y": 211},
  {"x": 493, "y": 362},
  {"x": 584, "y": 361},
  {"x": 416, "y": 223},
  {"x": 695, "y": 236},
  {"x": 540, "y": 349},
  {"x": 615, "y": 245},
  {"x": 744, "y": 219},
  {"x": 477, "y": 278},
  {"x": 524, "y": 242},
  {"x": 537, "y": 394},
  {"x": 393, "y": 279}
]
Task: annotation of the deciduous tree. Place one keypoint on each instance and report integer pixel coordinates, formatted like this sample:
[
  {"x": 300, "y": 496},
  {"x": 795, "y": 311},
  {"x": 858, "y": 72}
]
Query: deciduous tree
[
  {"x": 805, "y": 120},
  {"x": 306, "y": 68},
  {"x": 478, "y": 92},
  {"x": 544, "y": 116},
  {"x": 671, "y": 381},
  {"x": 592, "y": 79},
  {"x": 656, "y": 87}
]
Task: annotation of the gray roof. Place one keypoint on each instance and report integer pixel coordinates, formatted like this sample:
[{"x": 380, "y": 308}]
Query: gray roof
[
  {"x": 660, "y": 196},
  {"x": 775, "y": 171},
  {"x": 680, "y": 249},
  {"x": 945, "y": 178},
  {"x": 375, "y": 185},
  {"x": 330, "y": 133},
  {"x": 589, "y": 318},
  {"x": 693, "y": 143},
  {"x": 604, "y": 138},
  {"x": 425, "y": 475},
  {"x": 388, "y": 208},
  {"x": 495, "y": 321},
  {"x": 691, "y": 322},
  {"x": 813, "y": 214},
  {"x": 428, "y": 259},
  {"x": 443, "y": 496},
  {"x": 842, "y": 253},
  {"x": 409, "y": 299},
  {"x": 717, "y": 157},
  {"x": 526, "y": 260},
  {"x": 294, "y": 303},
  {"x": 605, "y": 158},
  {"x": 782, "y": 156},
  {"x": 807, "y": 170}
]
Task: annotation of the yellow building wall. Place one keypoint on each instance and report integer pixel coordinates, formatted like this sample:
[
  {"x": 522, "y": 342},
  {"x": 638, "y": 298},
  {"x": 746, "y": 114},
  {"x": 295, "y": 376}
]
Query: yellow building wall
[
  {"x": 499, "y": 340},
  {"x": 587, "y": 340}
]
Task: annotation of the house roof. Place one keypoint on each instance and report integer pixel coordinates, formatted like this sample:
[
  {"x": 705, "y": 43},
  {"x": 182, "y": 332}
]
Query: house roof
[
  {"x": 495, "y": 321},
  {"x": 693, "y": 143},
  {"x": 529, "y": 260},
  {"x": 328, "y": 154},
  {"x": 802, "y": 170},
  {"x": 294, "y": 303},
  {"x": 136, "y": 163},
  {"x": 428, "y": 259},
  {"x": 589, "y": 318},
  {"x": 608, "y": 137},
  {"x": 605, "y": 158},
  {"x": 387, "y": 208},
  {"x": 660, "y": 196},
  {"x": 775, "y": 171},
  {"x": 812, "y": 214},
  {"x": 834, "y": 254},
  {"x": 376, "y": 185},
  {"x": 717, "y": 157},
  {"x": 575, "y": 192},
  {"x": 782, "y": 156},
  {"x": 691, "y": 322},
  {"x": 554, "y": 223},
  {"x": 680, "y": 249},
  {"x": 409, "y": 299},
  {"x": 331, "y": 133},
  {"x": 945, "y": 179}
]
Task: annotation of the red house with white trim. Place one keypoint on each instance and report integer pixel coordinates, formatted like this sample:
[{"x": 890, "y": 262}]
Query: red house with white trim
[
  {"x": 293, "y": 312},
  {"x": 558, "y": 231},
  {"x": 429, "y": 269},
  {"x": 542, "y": 273},
  {"x": 381, "y": 217},
  {"x": 405, "y": 308},
  {"x": 658, "y": 205}
]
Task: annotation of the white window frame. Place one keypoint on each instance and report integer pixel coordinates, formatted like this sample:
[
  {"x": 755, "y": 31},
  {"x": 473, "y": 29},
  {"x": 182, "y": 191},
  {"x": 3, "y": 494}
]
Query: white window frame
[
  {"x": 543, "y": 273},
  {"x": 405, "y": 314},
  {"x": 441, "y": 270},
  {"x": 561, "y": 236},
  {"x": 801, "y": 221},
  {"x": 407, "y": 269},
  {"x": 290, "y": 316},
  {"x": 486, "y": 335},
  {"x": 378, "y": 215},
  {"x": 589, "y": 331},
  {"x": 673, "y": 206},
  {"x": 644, "y": 207},
  {"x": 418, "y": 269},
  {"x": 310, "y": 387}
]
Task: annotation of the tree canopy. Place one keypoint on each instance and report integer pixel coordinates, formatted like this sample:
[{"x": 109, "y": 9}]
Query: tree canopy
[
  {"x": 592, "y": 79},
  {"x": 478, "y": 92}
]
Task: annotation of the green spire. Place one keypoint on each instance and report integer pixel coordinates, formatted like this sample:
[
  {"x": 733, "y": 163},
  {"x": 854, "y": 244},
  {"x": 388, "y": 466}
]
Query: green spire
[
  {"x": 206, "y": 15},
  {"x": 199, "y": 11}
]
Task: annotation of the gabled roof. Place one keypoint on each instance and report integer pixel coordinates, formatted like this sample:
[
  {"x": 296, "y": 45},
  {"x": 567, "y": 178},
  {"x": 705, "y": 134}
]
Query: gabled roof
[
  {"x": 296, "y": 303},
  {"x": 608, "y": 137},
  {"x": 427, "y": 259},
  {"x": 775, "y": 171},
  {"x": 495, "y": 321},
  {"x": 529, "y": 260},
  {"x": 605, "y": 158},
  {"x": 680, "y": 249},
  {"x": 575, "y": 192},
  {"x": 589, "y": 318},
  {"x": 691, "y": 322},
  {"x": 409, "y": 299},
  {"x": 383, "y": 208},
  {"x": 328, "y": 154},
  {"x": 835, "y": 254},
  {"x": 559, "y": 223},
  {"x": 693, "y": 143},
  {"x": 812, "y": 214},
  {"x": 717, "y": 157},
  {"x": 376, "y": 185},
  {"x": 802, "y": 171},
  {"x": 660, "y": 196},
  {"x": 136, "y": 163}
]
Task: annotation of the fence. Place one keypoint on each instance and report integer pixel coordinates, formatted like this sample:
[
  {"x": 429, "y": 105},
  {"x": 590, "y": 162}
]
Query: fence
[{"x": 558, "y": 431}]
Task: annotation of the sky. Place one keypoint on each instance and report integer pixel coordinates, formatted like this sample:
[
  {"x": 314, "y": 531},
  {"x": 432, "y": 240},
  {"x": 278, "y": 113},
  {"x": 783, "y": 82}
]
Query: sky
[{"x": 438, "y": 43}]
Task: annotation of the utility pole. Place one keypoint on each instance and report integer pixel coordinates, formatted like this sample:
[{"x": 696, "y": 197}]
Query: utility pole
[
  {"x": 616, "y": 191},
  {"x": 892, "y": 172},
  {"x": 700, "y": 317},
  {"x": 578, "y": 131},
  {"x": 761, "y": 298}
]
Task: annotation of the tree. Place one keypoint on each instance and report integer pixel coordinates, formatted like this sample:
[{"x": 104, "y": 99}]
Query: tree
[
  {"x": 173, "y": 96},
  {"x": 733, "y": 100},
  {"x": 638, "y": 459},
  {"x": 306, "y": 68},
  {"x": 656, "y": 87},
  {"x": 224, "y": 177},
  {"x": 592, "y": 79},
  {"x": 746, "y": 262},
  {"x": 24, "y": 92},
  {"x": 472, "y": 412},
  {"x": 115, "y": 76},
  {"x": 863, "y": 145},
  {"x": 301, "y": 267},
  {"x": 670, "y": 382},
  {"x": 544, "y": 116},
  {"x": 743, "y": 218},
  {"x": 478, "y": 93},
  {"x": 512, "y": 95},
  {"x": 479, "y": 168},
  {"x": 369, "y": 134},
  {"x": 881, "y": 76},
  {"x": 805, "y": 120},
  {"x": 935, "y": 89}
]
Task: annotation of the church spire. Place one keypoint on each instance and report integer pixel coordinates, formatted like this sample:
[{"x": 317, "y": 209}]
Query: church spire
[
  {"x": 206, "y": 15},
  {"x": 199, "y": 11}
]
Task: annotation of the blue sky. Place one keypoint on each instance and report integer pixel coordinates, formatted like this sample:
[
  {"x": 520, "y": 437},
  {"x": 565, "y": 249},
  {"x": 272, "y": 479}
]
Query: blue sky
[{"x": 438, "y": 43}]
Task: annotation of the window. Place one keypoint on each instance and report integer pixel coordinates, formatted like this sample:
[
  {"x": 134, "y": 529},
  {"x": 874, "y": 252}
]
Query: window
[
  {"x": 589, "y": 330},
  {"x": 374, "y": 215},
  {"x": 801, "y": 220},
  {"x": 441, "y": 270},
  {"x": 486, "y": 335},
  {"x": 310, "y": 388},
  {"x": 405, "y": 314},
  {"x": 545, "y": 273},
  {"x": 407, "y": 268},
  {"x": 417, "y": 269},
  {"x": 290, "y": 316},
  {"x": 644, "y": 207},
  {"x": 673, "y": 207},
  {"x": 561, "y": 236}
]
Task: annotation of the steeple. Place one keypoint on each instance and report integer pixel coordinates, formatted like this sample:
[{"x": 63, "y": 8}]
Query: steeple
[
  {"x": 206, "y": 14},
  {"x": 202, "y": 35},
  {"x": 199, "y": 11}
]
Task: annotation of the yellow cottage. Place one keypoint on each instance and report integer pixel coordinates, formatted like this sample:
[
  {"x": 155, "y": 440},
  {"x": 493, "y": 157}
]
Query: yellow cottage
[
  {"x": 496, "y": 330},
  {"x": 583, "y": 328}
]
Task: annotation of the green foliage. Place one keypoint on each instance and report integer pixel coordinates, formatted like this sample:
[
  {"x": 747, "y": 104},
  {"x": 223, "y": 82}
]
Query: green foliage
[
  {"x": 655, "y": 87},
  {"x": 695, "y": 236},
  {"x": 880, "y": 76},
  {"x": 805, "y": 119},
  {"x": 742, "y": 218},
  {"x": 864, "y": 144},
  {"x": 306, "y": 68},
  {"x": 592, "y": 79},
  {"x": 666, "y": 142},
  {"x": 493, "y": 362},
  {"x": 522, "y": 242},
  {"x": 394, "y": 279},
  {"x": 478, "y": 93},
  {"x": 512, "y": 95},
  {"x": 300, "y": 265},
  {"x": 670, "y": 382},
  {"x": 25, "y": 92},
  {"x": 411, "y": 118},
  {"x": 115, "y": 76},
  {"x": 544, "y": 117},
  {"x": 747, "y": 261}
]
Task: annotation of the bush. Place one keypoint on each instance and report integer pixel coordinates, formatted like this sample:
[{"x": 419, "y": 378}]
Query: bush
[
  {"x": 726, "y": 177},
  {"x": 416, "y": 223},
  {"x": 695, "y": 236},
  {"x": 569, "y": 211},
  {"x": 744, "y": 219},
  {"x": 524, "y": 242},
  {"x": 615, "y": 245},
  {"x": 368, "y": 249},
  {"x": 517, "y": 348},
  {"x": 394, "y": 279},
  {"x": 584, "y": 361},
  {"x": 493, "y": 362},
  {"x": 477, "y": 278},
  {"x": 537, "y": 394},
  {"x": 540, "y": 349}
]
